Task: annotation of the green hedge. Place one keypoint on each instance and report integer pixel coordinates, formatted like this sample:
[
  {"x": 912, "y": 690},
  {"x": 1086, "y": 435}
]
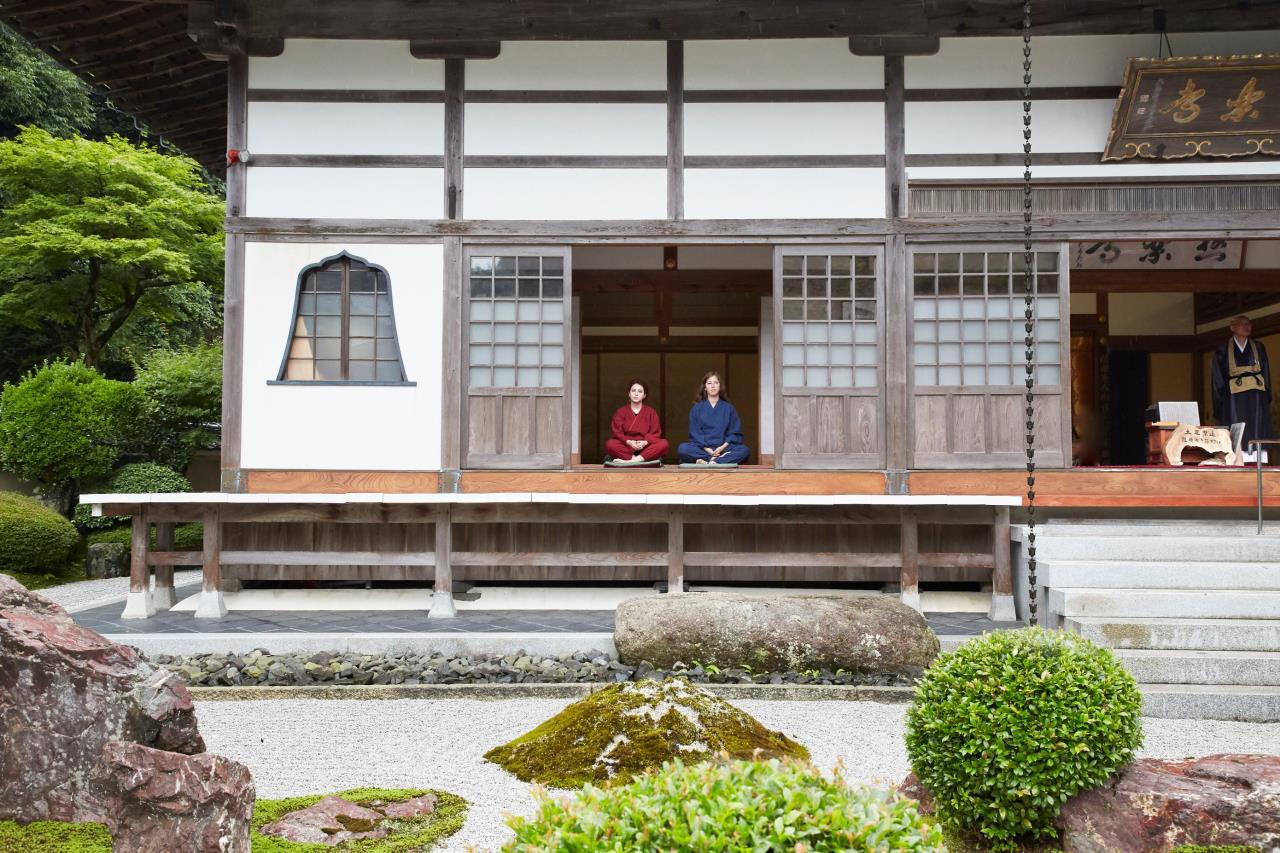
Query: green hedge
[
  {"x": 728, "y": 805},
  {"x": 33, "y": 538},
  {"x": 1008, "y": 727},
  {"x": 136, "y": 478},
  {"x": 186, "y": 537}
]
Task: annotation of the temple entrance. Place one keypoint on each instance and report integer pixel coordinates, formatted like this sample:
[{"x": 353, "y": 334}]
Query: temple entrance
[
  {"x": 665, "y": 317},
  {"x": 1146, "y": 320}
]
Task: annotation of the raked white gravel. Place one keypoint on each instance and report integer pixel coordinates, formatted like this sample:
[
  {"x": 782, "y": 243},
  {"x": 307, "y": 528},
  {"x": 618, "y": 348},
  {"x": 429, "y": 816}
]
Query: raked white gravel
[
  {"x": 296, "y": 746},
  {"x": 85, "y": 595}
]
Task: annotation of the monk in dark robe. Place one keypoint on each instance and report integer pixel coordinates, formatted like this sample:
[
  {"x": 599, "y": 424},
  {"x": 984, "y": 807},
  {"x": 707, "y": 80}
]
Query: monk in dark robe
[
  {"x": 637, "y": 433},
  {"x": 715, "y": 430},
  {"x": 1242, "y": 383}
]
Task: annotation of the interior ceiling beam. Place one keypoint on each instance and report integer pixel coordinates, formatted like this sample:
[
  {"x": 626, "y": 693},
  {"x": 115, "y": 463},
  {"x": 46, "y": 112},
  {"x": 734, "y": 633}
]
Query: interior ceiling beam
[
  {"x": 1175, "y": 281},
  {"x": 499, "y": 20}
]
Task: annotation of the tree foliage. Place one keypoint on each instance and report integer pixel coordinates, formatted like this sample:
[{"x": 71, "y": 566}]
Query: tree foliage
[
  {"x": 183, "y": 393},
  {"x": 105, "y": 237},
  {"x": 35, "y": 91}
]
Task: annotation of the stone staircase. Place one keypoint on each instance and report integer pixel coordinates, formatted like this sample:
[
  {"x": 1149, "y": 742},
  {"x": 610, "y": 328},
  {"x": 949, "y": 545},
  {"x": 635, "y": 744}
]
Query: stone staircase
[{"x": 1191, "y": 608}]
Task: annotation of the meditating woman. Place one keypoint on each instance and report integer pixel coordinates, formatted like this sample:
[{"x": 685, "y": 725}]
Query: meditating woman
[
  {"x": 715, "y": 431},
  {"x": 637, "y": 435}
]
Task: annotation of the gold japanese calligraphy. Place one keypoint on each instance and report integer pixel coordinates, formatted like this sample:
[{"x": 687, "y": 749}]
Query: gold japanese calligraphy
[
  {"x": 1242, "y": 105},
  {"x": 1185, "y": 109}
]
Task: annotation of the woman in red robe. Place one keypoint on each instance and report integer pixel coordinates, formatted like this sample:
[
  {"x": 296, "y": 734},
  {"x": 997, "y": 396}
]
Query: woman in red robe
[{"x": 637, "y": 435}]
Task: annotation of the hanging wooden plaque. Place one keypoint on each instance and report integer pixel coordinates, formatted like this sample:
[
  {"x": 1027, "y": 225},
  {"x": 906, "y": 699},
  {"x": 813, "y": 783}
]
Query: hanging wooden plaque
[{"x": 1204, "y": 106}]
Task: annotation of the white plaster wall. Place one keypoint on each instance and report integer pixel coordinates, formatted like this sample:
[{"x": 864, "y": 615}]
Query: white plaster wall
[
  {"x": 572, "y": 65},
  {"x": 995, "y": 127},
  {"x": 335, "y": 427},
  {"x": 1064, "y": 60},
  {"x": 566, "y": 129},
  {"x": 617, "y": 257},
  {"x": 565, "y": 194},
  {"x": 1262, "y": 254},
  {"x": 1151, "y": 313},
  {"x": 784, "y": 128},
  {"x": 345, "y": 193},
  {"x": 345, "y": 64},
  {"x": 1084, "y": 303},
  {"x": 690, "y": 257},
  {"x": 302, "y": 128},
  {"x": 779, "y": 64},
  {"x": 783, "y": 193}
]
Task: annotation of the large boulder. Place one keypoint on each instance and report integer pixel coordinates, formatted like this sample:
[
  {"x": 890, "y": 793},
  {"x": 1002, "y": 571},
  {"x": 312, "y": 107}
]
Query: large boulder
[
  {"x": 157, "y": 798},
  {"x": 107, "y": 560},
  {"x": 627, "y": 729},
  {"x": 71, "y": 700},
  {"x": 857, "y": 633},
  {"x": 1160, "y": 805}
]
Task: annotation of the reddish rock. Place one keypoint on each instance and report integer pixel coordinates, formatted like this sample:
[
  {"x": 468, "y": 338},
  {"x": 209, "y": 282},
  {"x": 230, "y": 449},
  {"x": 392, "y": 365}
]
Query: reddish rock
[
  {"x": 91, "y": 733},
  {"x": 912, "y": 789},
  {"x": 157, "y": 799},
  {"x": 417, "y": 807},
  {"x": 1158, "y": 805},
  {"x": 331, "y": 821}
]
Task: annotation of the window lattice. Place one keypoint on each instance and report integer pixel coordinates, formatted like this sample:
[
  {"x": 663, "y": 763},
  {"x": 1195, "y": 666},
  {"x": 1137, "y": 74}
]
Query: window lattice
[
  {"x": 969, "y": 316},
  {"x": 516, "y": 334},
  {"x": 829, "y": 326},
  {"x": 345, "y": 327}
]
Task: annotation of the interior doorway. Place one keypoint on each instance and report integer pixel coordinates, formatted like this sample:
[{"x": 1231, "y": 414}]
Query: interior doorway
[{"x": 666, "y": 316}]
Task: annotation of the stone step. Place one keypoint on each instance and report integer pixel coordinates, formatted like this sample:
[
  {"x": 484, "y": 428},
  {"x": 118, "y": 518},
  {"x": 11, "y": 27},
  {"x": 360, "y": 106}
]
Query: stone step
[
  {"x": 1162, "y": 603},
  {"x": 1160, "y": 666},
  {"x": 1135, "y": 574},
  {"x": 1211, "y": 702},
  {"x": 1239, "y": 635},
  {"x": 1156, "y": 527},
  {"x": 1172, "y": 548}
]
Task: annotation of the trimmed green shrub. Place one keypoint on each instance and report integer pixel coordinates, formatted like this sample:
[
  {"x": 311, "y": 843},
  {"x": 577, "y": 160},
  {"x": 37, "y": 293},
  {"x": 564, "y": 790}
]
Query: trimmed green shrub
[
  {"x": 186, "y": 537},
  {"x": 1010, "y": 725},
  {"x": 1229, "y": 848},
  {"x": 136, "y": 478},
  {"x": 33, "y": 537},
  {"x": 183, "y": 392},
  {"x": 728, "y": 805},
  {"x": 65, "y": 423}
]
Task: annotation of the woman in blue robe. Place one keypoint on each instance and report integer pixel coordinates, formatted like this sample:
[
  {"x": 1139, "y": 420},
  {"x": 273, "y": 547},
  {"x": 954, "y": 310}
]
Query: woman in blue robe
[{"x": 715, "y": 430}]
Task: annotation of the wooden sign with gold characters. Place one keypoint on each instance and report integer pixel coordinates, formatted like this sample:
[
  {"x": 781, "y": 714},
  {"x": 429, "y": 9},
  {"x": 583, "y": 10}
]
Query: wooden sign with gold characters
[{"x": 1171, "y": 109}]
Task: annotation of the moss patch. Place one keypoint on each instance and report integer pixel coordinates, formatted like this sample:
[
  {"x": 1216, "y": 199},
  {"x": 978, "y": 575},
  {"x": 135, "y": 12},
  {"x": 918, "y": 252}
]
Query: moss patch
[
  {"x": 624, "y": 730},
  {"x": 408, "y": 836},
  {"x": 51, "y": 836}
]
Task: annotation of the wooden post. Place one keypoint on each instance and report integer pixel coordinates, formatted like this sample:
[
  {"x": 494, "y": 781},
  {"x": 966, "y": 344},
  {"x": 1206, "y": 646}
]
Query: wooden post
[
  {"x": 675, "y": 130},
  {"x": 442, "y": 606},
  {"x": 138, "y": 604},
  {"x": 910, "y": 548},
  {"x": 675, "y": 551},
  {"x": 211, "y": 604},
  {"x": 164, "y": 596},
  {"x": 1002, "y": 608}
]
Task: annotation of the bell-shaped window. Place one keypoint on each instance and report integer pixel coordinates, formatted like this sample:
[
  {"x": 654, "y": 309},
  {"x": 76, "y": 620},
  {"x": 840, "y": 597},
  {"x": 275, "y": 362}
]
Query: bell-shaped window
[{"x": 344, "y": 327}]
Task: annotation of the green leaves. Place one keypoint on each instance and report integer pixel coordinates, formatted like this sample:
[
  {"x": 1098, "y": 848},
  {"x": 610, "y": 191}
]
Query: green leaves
[
  {"x": 1006, "y": 728},
  {"x": 99, "y": 236},
  {"x": 728, "y": 806}
]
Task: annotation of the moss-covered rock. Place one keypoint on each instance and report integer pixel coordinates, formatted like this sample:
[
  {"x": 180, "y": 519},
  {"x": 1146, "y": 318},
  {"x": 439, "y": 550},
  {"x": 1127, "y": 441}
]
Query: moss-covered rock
[{"x": 625, "y": 730}]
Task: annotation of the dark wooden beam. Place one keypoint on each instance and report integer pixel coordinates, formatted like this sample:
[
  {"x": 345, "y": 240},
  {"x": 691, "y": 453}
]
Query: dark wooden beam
[
  {"x": 421, "y": 49},
  {"x": 675, "y": 130},
  {"x": 759, "y": 282},
  {"x": 1175, "y": 281},
  {"x": 501, "y": 20}
]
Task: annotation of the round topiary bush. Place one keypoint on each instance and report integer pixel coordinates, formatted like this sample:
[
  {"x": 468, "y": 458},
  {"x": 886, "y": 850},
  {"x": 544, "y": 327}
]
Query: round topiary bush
[
  {"x": 136, "y": 478},
  {"x": 1010, "y": 725},
  {"x": 728, "y": 805},
  {"x": 33, "y": 538}
]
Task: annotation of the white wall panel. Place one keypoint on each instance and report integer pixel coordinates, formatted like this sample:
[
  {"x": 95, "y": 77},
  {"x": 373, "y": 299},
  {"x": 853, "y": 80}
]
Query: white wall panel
[
  {"x": 783, "y": 128},
  {"x": 779, "y": 64},
  {"x": 345, "y": 64},
  {"x": 572, "y": 65},
  {"x": 994, "y": 127},
  {"x": 566, "y": 129},
  {"x": 1130, "y": 169},
  {"x": 303, "y": 128},
  {"x": 1151, "y": 313},
  {"x": 1063, "y": 60},
  {"x": 783, "y": 193},
  {"x": 345, "y": 193},
  {"x": 566, "y": 194},
  {"x": 334, "y": 427}
]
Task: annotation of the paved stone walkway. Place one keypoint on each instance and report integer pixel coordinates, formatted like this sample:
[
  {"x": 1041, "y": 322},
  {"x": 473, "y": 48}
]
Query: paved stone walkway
[{"x": 106, "y": 620}]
